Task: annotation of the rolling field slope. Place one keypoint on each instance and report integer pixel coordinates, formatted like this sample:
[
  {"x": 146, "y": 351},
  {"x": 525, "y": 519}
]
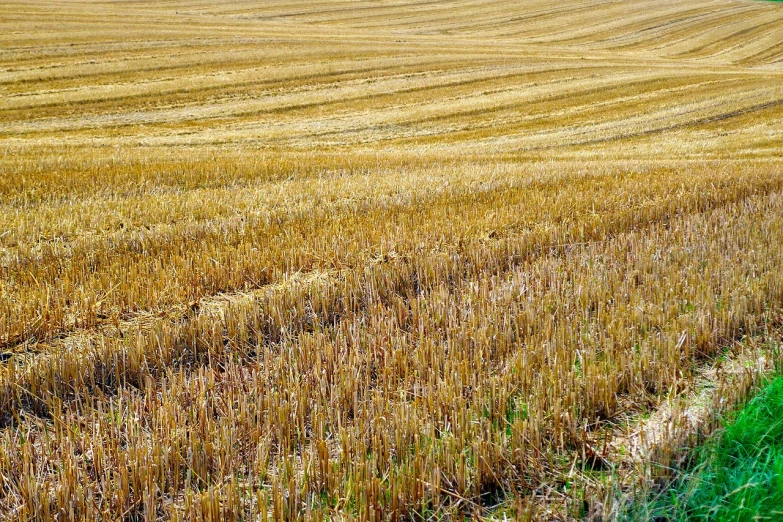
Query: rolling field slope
[{"x": 380, "y": 260}]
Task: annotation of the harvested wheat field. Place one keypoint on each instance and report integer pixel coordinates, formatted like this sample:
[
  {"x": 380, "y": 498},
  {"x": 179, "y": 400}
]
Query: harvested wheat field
[{"x": 381, "y": 260}]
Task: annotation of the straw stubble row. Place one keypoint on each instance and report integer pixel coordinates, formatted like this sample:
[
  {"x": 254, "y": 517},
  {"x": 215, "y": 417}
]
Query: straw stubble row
[{"x": 439, "y": 379}]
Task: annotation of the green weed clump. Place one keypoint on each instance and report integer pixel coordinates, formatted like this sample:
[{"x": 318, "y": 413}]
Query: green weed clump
[{"x": 738, "y": 476}]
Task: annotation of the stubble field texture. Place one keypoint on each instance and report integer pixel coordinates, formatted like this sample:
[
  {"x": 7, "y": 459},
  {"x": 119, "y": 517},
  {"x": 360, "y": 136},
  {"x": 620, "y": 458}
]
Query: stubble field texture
[{"x": 379, "y": 260}]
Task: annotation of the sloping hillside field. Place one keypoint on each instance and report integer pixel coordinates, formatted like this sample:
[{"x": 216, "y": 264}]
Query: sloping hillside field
[{"x": 391, "y": 259}]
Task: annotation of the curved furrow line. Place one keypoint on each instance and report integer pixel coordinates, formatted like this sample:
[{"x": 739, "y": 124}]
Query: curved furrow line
[
  {"x": 684, "y": 125},
  {"x": 559, "y": 23},
  {"x": 682, "y": 40},
  {"x": 41, "y": 55},
  {"x": 346, "y": 92},
  {"x": 771, "y": 54},
  {"x": 399, "y": 119},
  {"x": 508, "y": 122},
  {"x": 499, "y": 26},
  {"x": 650, "y": 38},
  {"x": 748, "y": 29},
  {"x": 208, "y": 59},
  {"x": 322, "y": 71},
  {"x": 692, "y": 107},
  {"x": 481, "y": 115},
  {"x": 402, "y": 15},
  {"x": 763, "y": 44},
  {"x": 455, "y": 21},
  {"x": 618, "y": 28},
  {"x": 288, "y": 85}
]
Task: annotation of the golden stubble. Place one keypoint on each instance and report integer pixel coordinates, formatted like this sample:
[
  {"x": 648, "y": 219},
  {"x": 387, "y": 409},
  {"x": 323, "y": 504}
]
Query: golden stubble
[{"x": 383, "y": 261}]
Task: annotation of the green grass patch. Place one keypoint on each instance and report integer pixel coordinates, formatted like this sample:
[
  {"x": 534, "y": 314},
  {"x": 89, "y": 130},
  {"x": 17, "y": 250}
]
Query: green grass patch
[{"x": 736, "y": 476}]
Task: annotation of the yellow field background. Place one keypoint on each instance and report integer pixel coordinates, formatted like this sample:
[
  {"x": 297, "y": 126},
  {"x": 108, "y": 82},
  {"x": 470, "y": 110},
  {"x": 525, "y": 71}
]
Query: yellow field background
[
  {"x": 379, "y": 259},
  {"x": 534, "y": 78}
]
